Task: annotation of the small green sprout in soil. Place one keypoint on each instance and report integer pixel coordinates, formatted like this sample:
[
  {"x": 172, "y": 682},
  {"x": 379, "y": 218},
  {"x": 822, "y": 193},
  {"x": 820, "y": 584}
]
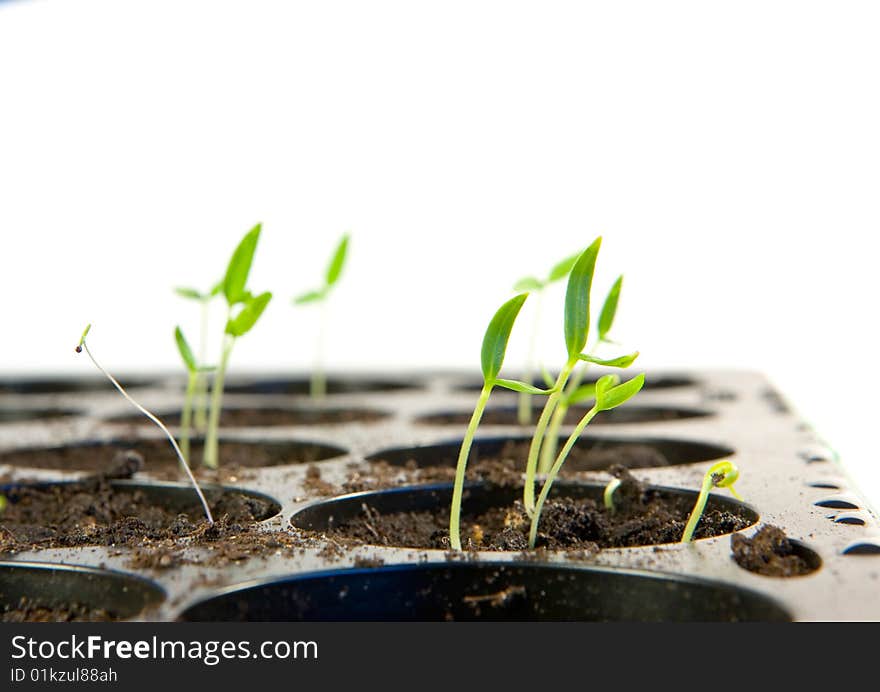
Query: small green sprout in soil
[
  {"x": 536, "y": 286},
  {"x": 195, "y": 373},
  {"x": 491, "y": 359},
  {"x": 318, "y": 384},
  {"x": 721, "y": 475},
  {"x": 608, "y": 494},
  {"x": 243, "y": 311},
  {"x": 3, "y": 503},
  {"x": 201, "y": 387},
  {"x": 576, "y": 327},
  {"x": 83, "y": 346},
  {"x": 609, "y": 394}
]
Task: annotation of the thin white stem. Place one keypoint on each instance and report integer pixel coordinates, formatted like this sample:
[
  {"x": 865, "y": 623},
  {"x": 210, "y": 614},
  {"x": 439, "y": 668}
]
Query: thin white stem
[
  {"x": 318, "y": 386},
  {"x": 161, "y": 427}
]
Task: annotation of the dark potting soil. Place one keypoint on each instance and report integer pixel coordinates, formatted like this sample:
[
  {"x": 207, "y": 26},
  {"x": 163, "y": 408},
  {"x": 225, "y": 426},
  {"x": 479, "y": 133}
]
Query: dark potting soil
[
  {"x": 769, "y": 552},
  {"x": 268, "y": 417},
  {"x": 505, "y": 468},
  {"x": 509, "y": 416},
  {"x": 159, "y": 459},
  {"x": 642, "y": 517},
  {"x": 27, "y": 610},
  {"x": 96, "y": 513}
]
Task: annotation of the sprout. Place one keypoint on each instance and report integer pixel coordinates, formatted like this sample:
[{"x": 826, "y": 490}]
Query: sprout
[
  {"x": 491, "y": 359},
  {"x": 608, "y": 495},
  {"x": 537, "y": 286},
  {"x": 201, "y": 386},
  {"x": 609, "y": 394},
  {"x": 3, "y": 503},
  {"x": 721, "y": 475},
  {"x": 575, "y": 393},
  {"x": 238, "y": 324},
  {"x": 318, "y": 384},
  {"x": 195, "y": 373},
  {"x": 82, "y": 345},
  {"x": 576, "y": 330}
]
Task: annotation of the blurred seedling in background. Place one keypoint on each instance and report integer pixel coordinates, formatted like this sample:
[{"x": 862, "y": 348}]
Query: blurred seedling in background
[
  {"x": 83, "y": 346},
  {"x": 535, "y": 286},
  {"x": 200, "y": 399},
  {"x": 721, "y": 475},
  {"x": 195, "y": 372},
  {"x": 491, "y": 359},
  {"x": 574, "y": 392},
  {"x": 318, "y": 384},
  {"x": 243, "y": 309},
  {"x": 576, "y": 327}
]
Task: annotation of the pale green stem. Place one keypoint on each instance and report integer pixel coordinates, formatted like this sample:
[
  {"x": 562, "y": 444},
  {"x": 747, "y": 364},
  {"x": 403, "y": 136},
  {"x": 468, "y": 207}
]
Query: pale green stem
[
  {"x": 211, "y": 458},
  {"x": 535, "y": 446},
  {"x": 161, "y": 425},
  {"x": 461, "y": 467},
  {"x": 186, "y": 413},
  {"x": 698, "y": 509},
  {"x": 318, "y": 385},
  {"x": 551, "y": 439},
  {"x": 524, "y": 409},
  {"x": 608, "y": 495},
  {"x": 201, "y": 390},
  {"x": 560, "y": 460}
]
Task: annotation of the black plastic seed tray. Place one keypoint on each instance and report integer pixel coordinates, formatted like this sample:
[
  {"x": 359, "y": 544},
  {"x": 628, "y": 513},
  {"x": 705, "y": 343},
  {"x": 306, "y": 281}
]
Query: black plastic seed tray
[{"x": 788, "y": 479}]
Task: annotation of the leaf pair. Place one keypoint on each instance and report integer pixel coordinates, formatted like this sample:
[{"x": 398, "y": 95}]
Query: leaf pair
[
  {"x": 234, "y": 286},
  {"x": 193, "y": 294},
  {"x": 609, "y": 394},
  {"x": 495, "y": 346},
  {"x": 559, "y": 271},
  {"x": 334, "y": 271}
]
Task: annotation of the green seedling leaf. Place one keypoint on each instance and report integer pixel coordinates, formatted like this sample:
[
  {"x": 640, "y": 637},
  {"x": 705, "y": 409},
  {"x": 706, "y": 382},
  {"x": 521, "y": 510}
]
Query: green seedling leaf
[
  {"x": 606, "y": 382},
  {"x": 244, "y": 321},
  {"x": 497, "y": 335},
  {"x": 338, "y": 262},
  {"x": 216, "y": 289},
  {"x": 577, "y": 300},
  {"x": 619, "y": 362},
  {"x": 615, "y": 396},
  {"x": 189, "y": 360},
  {"x": 562, "y": 269},
  {"x": 518, "y": 386},
  {"x": 240, "y": 266},
  {"x": 82, "y": 339},
  {"x": 528, "y": 283},
  {"x": 549, "y": 380},
  {"x": 582, "y": 393},
  {"x": 188, "y": 293},
  {"x": 609, "y": 309},
  {"x": 310, "y": 297}
]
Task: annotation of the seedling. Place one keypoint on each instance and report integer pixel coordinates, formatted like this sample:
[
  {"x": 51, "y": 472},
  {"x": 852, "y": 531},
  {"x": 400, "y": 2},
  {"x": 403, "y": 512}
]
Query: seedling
[
  {"x": 249, "y": 308},
  {"x": 318, "y": 384},
  {"x": 491, "y": 359},
  {"x": 721, "y": 475},
  {"x": 609, "y": 394},
  {"x": 536, "y": 286},
  {"x": 195, "y": 373},
  {"x": 608, "y": 494},
  {"x": 575, "y": 392},
  {"x": 83, "y": 346},
  {"x": 3, "y": 503},
  {"x": 576, "y": 329},
  {"x": 201, "y": 386}
]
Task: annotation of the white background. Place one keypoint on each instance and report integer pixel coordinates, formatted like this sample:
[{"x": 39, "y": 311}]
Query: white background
[{"x": 727, "y": 152}]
